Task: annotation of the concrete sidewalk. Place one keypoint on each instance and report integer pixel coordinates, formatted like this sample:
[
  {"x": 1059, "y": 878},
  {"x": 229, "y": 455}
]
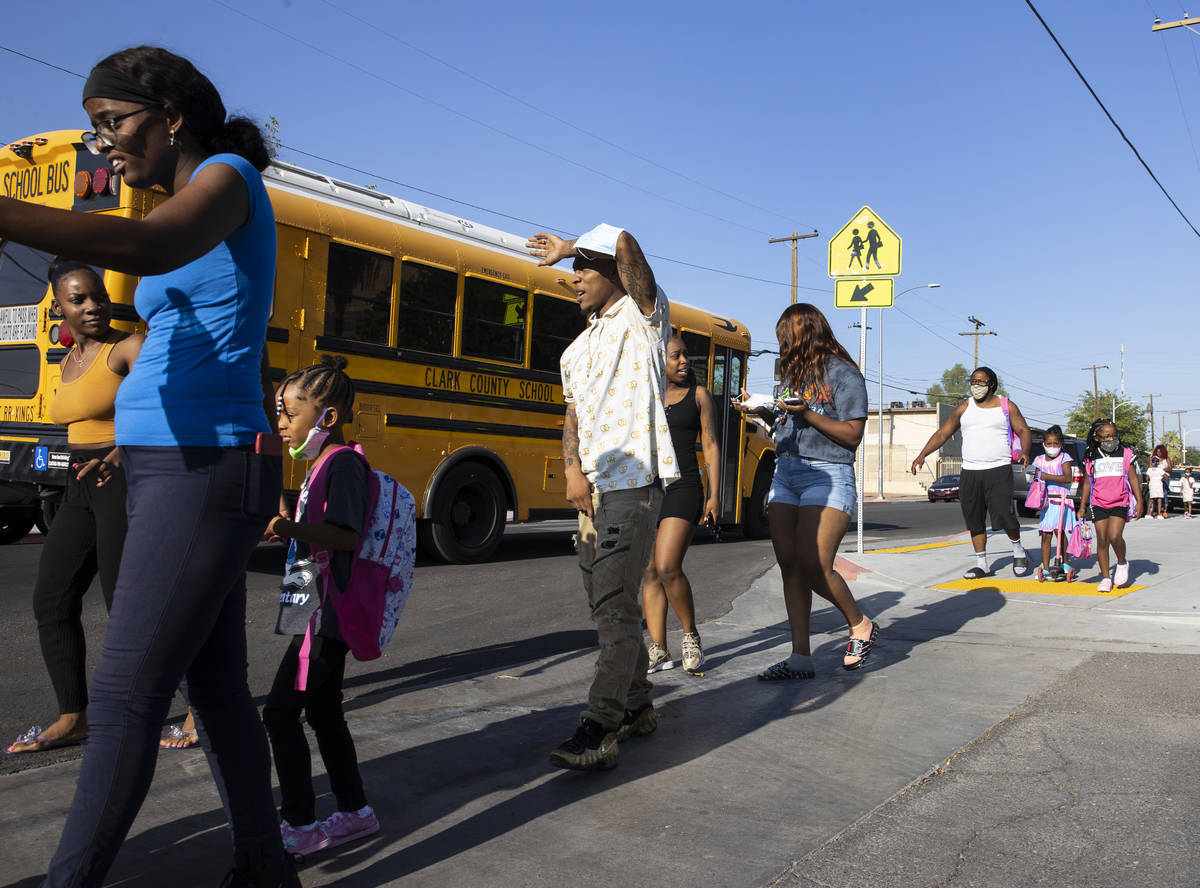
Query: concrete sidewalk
[{"x": 1003, "y": 734}]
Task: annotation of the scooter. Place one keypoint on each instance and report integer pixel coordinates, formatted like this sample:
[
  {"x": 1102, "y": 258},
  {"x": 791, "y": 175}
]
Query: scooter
[{"x": 1055, "y": 572}]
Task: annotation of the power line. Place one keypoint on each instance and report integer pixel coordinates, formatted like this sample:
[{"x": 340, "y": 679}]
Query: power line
[
  {"x": 1111, "y": 119},
  {"x": 550, "y": 114},
  {"x": 452, "y": 110}
]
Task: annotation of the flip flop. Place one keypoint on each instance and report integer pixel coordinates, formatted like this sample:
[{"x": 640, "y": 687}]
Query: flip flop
[
  {"x": 781, "y": 671},
  {"x": 32, "y": 742},
  {"x": 176, "y": 733}
]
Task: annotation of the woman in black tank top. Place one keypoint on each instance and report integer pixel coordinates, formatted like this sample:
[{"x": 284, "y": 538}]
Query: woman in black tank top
[{"x": 689, "y": 413}]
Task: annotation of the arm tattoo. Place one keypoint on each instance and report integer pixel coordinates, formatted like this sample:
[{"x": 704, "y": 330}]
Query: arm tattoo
[
  {"x": 570, "y": 443},
  {"x": 635, "y": 272}
]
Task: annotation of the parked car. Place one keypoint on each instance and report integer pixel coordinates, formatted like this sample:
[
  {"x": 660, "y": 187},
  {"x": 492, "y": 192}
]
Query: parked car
[
  {"x": 944, "y": 488},
  {"x": 1023, "y": 475}
]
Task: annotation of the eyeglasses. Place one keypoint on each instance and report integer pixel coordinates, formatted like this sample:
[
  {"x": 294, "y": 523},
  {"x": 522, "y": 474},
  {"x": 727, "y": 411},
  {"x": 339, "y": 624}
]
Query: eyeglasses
[{"x": 105, "y": 133}]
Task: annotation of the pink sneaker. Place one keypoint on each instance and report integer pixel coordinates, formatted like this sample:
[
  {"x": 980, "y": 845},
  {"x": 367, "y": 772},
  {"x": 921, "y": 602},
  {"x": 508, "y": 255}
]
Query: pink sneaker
[
  {"x": 1105, "y": 585},
  {"x": 1121, "y": 575},
  {"x": 300, "y": 841},
  {"x": 346, "y": 826}
]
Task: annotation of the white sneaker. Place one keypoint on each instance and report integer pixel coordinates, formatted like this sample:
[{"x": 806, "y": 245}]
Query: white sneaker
[
  {"x": 660, "y": 659},
  {"x": 1105, "y": 585},
  {"x": 693, "y": 656},
  {"x": 1121, "y": 575}
]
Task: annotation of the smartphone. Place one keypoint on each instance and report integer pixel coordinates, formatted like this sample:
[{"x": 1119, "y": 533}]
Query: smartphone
[
  {"x": 793, "y": 401},
  {"x": 268, "y": 445}
]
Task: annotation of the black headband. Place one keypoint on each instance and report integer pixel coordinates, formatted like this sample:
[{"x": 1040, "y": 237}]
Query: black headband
[{"x": 108, "y": 83}]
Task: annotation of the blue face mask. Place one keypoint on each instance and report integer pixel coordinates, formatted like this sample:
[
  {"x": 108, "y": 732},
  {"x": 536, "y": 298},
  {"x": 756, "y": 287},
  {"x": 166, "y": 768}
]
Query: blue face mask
[{"x": 311, "y": 448}]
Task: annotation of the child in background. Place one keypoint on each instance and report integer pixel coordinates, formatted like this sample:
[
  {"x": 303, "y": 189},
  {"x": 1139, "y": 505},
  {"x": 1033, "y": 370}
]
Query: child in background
[
  {"x": 1058, "y": 512},
  {"x": 1187, "y": 491},
  {"x": 1155, "y": 476},
  {"x": 313, "y": 405},
  {"x": 1110, "y": 484}
]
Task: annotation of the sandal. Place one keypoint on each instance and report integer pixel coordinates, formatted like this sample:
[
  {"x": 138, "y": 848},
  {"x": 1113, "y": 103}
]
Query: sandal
[
  {"x": 31, "y": 741},
  {"x": 975, "y": 573},
  {"x": 178, "y": 738},
  {"x": 781, "y": 671},
  {"x": 861, "y": 648}
]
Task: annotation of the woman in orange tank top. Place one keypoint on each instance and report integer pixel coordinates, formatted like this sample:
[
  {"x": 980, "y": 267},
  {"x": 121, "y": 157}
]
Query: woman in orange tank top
[{"x": 88, "y": 531}]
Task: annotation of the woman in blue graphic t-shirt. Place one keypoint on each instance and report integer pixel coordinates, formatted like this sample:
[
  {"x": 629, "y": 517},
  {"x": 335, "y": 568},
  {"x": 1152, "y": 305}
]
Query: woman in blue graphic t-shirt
[
  {"x": 818, "y": 419},
  {"x": 201, "y": 484}
]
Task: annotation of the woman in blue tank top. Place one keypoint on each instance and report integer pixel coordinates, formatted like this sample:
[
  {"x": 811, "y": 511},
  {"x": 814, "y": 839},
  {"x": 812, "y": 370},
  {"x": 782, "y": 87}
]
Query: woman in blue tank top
[{"x": 201, "y": 483}]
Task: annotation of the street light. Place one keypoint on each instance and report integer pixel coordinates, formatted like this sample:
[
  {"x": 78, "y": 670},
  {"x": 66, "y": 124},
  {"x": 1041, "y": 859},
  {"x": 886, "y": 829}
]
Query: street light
[{"x": 881, "y": 498}]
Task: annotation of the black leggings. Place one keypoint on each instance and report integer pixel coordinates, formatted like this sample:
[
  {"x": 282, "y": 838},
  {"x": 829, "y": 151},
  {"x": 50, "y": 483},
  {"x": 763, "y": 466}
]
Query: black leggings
[
  {"x": 322, "y": 704},
  {"x": 85, "y": 539}
]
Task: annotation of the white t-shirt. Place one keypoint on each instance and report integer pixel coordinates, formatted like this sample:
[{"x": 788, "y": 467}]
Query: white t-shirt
[
  {"x": 1155, "y": 474},
  {"x": 615, "y": 375}
]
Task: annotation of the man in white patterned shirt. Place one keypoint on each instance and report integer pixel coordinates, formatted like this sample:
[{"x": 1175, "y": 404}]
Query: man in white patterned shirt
[{"x": 618, "y": 454}]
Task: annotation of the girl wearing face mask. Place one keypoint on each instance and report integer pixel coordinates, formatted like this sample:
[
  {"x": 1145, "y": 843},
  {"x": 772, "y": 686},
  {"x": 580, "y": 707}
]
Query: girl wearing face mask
[
  {"x": 991, "y": 424},
  {"x": 1110, "y": 484},
  {"x": 1058, "y": 513}
]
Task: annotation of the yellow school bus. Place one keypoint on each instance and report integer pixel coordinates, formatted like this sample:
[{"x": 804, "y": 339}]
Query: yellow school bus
[{"x": 451, "y": 331}]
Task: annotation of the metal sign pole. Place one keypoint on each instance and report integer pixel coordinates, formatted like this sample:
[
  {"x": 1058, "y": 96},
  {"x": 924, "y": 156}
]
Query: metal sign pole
[{"x": 862, "y": 452}]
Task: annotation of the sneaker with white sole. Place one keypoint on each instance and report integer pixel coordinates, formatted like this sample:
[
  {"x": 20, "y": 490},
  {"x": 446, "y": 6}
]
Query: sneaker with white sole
[
  {"x": 346, "y": 826},
  {"x": 693, "y": 655},
  {"x": 660, "y": 658},
  {"x": 300, "y": 841},
  {"x": 1121, "y": 575},
  {"x": 1106, "y": 585}
]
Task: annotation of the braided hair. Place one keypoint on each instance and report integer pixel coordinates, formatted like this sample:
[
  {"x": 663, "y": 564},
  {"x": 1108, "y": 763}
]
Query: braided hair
[
  {"x": 325, "y": 385},
  {"x": 1093, "y": 451}
]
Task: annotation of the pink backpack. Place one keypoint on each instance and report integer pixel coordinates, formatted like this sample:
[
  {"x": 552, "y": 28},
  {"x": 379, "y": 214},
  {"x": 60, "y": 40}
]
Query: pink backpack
[
  {"x": 381, "y": 574},
  {"x": 1014, "y": 441}
]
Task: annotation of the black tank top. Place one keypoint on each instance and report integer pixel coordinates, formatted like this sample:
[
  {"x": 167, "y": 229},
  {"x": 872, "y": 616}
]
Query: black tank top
[{"x": 683, "y": 419}]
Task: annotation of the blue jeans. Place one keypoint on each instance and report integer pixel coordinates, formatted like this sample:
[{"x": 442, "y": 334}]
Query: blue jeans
[
  {"x": 799, "y": 481},
  {"x": 195, "y": 515}
]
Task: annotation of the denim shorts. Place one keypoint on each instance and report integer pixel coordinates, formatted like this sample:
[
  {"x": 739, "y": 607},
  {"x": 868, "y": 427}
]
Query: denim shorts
[{"x": 799, "y": 481}]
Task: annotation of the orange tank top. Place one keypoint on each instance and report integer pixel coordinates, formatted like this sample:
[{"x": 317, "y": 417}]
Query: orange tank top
[{"x": 85, "y": 404}]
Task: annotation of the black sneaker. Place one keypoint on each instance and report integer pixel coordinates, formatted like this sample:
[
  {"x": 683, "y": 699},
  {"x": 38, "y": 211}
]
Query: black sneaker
[
  {"x": 638, "y": 722},
  {"x": 592, "y": 748},
  {"x": 265, "y": 874}
]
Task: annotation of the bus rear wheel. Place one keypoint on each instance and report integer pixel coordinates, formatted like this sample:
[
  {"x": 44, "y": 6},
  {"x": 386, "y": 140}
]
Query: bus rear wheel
[
  {"x": 754, "y": 509},
  {"x": 467, "y": 518}
]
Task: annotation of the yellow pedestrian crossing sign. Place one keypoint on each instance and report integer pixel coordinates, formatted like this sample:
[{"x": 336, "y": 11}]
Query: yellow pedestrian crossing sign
[
  {"x": 863, "y": 292},
  {"x": 865, "y": 247}
]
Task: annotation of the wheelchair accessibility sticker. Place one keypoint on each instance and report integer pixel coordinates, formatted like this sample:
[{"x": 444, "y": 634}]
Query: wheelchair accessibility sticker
[{"x": 41, "y": 459}]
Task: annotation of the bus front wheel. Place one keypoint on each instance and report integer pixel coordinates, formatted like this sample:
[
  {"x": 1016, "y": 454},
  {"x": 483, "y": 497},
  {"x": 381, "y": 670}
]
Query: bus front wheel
[
  {"x": 467, "y": 518},
  {"x": 754, "y": 509}
]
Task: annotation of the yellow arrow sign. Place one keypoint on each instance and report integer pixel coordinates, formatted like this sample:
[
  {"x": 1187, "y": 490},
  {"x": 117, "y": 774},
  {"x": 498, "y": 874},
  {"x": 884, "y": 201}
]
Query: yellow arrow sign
[
  {"x": 865, "y": 247},
  {"x": 864, "y": 292}
]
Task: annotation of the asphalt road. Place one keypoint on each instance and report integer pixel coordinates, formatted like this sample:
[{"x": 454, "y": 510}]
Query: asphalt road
[{"x": 460, "y": 620}]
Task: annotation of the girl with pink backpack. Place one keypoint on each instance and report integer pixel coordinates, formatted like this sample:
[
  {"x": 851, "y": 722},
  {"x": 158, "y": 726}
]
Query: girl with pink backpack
[
  {"x": 1051, "y": 492},
  {"x": 1111, "y": 495}
]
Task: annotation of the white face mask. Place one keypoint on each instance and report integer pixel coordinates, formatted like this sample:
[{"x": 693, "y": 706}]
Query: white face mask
[
  {"x": 311, "y": 448},
  {"x": 1052, "y": 452},
  {"x": 979, "y": 392}
]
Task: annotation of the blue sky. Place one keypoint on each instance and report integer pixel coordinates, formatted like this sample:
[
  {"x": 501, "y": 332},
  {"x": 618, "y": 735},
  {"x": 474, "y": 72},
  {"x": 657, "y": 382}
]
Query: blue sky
[{"x": 706, "y": 133}]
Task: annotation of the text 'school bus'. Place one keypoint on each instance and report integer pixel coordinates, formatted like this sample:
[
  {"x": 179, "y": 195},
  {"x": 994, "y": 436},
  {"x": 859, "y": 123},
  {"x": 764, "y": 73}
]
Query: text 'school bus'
[{"x": 452, "y": 333}]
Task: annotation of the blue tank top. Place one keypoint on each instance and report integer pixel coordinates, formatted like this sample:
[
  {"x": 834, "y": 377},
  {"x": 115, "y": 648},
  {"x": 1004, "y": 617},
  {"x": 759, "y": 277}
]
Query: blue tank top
[{"x": 198, "y": 381}]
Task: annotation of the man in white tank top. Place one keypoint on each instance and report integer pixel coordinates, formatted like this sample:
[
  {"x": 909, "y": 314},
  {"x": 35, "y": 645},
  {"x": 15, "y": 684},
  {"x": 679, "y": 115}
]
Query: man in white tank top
[{"x": 989, "y": 425}]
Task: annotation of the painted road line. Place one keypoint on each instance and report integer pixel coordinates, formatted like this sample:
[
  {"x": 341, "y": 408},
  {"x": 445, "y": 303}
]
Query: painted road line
[
  {"x": 915, "y": 548},
  {"x": 1033, "y": 587}
]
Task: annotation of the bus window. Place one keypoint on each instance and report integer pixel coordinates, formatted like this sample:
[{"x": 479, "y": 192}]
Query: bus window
[
  {"x": 358, "y": 295},
  {"x": 556, "y": 323},
  {"x": 697, "y": 352},
  {"x": 427, "y": 297},
  {"x": 493, "y": 324},
  {"x": 20, "y": 368},
  {"x": 22, "y": 274}
]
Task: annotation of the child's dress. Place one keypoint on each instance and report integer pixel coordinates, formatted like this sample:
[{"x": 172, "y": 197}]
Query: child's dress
[{"x": 1059, "y": 507}]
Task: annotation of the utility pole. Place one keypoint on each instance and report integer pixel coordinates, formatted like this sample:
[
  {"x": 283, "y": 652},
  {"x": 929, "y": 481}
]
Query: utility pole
[
  {"x": 978, "y": 323},
  {"x": 795, "y": 237},
  {"x": 1160, "y": 25},
  {"x": 1096, "y": 385},
  {"x": 1152, "y": 429},
  {"x": 1122, "y": 372}
]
